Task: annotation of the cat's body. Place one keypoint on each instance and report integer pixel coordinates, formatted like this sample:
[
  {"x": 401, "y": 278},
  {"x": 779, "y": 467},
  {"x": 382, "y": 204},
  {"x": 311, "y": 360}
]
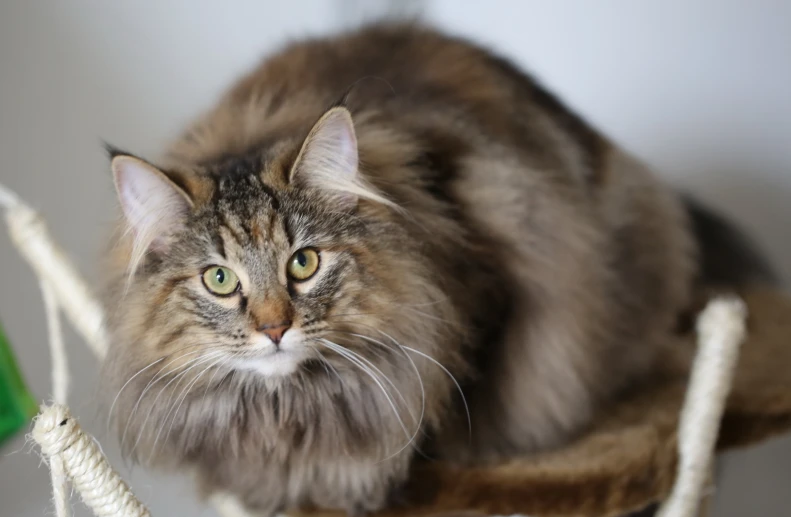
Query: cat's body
[{"x": 487, "y": 227}]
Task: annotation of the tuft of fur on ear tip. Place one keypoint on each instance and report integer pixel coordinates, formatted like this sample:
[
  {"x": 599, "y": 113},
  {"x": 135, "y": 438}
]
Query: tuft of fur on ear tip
[{"x": 112, "y": 151}]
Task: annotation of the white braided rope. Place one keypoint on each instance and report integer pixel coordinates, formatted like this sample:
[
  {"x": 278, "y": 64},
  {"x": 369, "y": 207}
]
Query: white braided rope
[
  {"x": 30, "y": 236},
  {"x": 74, "y": 455},
  {"x": 721, "y": 331},
  {"x": 100, "y": 487},
  {"x": 60, "y": 390},
  {"x": 57, "y": 350}
]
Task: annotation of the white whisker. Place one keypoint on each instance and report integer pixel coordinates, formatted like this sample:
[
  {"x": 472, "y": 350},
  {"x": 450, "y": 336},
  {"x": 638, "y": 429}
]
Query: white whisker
[
  {"x": 327, "y": 365},
  {"x": 183, "y": 396},
  {"x": 159, "y": 376},
  {"x": 386, "y": 378},
  {"x": 196, "y": 362},
  {"x": 218, "y": 370},
  {"x": 419, "y": 378},
  {"x": 458, "y": 386},
  {"x": 347, "y": 354},
  {"x": 115, "y": 400}
]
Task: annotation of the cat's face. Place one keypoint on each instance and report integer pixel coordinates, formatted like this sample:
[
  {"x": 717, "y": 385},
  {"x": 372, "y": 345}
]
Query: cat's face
[
  {"x": 261, "y": 276},
  {"x": 263, "y": 272}
]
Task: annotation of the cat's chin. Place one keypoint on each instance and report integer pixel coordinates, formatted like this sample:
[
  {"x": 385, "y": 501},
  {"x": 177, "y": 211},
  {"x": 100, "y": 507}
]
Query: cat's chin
[{"x": 278, "y": 364}]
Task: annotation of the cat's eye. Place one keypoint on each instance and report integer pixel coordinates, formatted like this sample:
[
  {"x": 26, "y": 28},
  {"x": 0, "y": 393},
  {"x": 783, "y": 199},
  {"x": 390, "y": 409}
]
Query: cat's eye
[
  {"x": 303, "y": 264},
  {"x": 220, "y": 281}
]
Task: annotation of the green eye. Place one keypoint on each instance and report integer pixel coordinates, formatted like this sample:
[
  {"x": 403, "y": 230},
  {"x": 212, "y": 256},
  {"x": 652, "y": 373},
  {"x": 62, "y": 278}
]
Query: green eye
[
  {"x": 220, "y": 281},
  {"x": 303, "y": 264}
]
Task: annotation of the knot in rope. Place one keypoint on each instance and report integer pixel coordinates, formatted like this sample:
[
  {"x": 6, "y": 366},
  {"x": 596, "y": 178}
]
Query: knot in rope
[{"x": 55, "y": 430}]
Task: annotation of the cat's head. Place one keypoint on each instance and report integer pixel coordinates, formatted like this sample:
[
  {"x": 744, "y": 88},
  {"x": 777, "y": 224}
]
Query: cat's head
[
  {"x": 252, "y": 254},
  {"x": 282, "y": 268}
]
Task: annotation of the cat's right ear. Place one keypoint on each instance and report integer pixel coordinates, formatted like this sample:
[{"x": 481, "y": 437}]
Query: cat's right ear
[{"x": 154, "y": 206}]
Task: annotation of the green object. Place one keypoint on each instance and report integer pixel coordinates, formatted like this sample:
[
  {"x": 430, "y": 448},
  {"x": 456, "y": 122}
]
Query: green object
[{"x": 17, "y": 405}]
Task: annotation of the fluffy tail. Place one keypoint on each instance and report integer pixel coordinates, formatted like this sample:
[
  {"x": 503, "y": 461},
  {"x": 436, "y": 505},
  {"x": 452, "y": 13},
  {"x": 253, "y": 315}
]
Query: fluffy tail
[{"x": 729, "y": 258}]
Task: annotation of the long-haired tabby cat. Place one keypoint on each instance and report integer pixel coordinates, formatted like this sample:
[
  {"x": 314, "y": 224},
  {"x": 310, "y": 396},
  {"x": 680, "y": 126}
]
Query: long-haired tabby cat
[{"x": 377, "y": 245}]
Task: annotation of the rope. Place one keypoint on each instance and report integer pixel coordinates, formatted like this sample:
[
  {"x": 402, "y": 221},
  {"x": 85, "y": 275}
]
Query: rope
[
  {"x": 29, "y": 234},
  {"x": 60, "y": 389},
  {"x": 60, "y": 367},
  {"x": 74, "y": 455},
  {"x": 721, "y": 330},
  {"x": 100, "y": 487}
]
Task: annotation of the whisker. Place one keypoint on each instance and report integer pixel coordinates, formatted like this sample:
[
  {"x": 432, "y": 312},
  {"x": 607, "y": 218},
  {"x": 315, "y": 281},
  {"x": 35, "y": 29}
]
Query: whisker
[
  {"x": 139, "y": 372},
  {"x": 435, "y": 318},
  {"x": 231, "y": 355},
  {"x": 418, "y": 427},
  {"x": 343, "y": 352},
  {"x": 327, "y": 366},
  {"x": 458, "y": 386},
  {"x": 378, "y": 352},
  {"x": 414, "y": 367},
  {"x": 159, "y": 376},
  {"x": 183, "y": 396},
  {"x": 419, "y": 378},
  {"x": 115, "y": 400},
  {"x": 195, "y": 363},
  {"x": 380, "y": 372}
]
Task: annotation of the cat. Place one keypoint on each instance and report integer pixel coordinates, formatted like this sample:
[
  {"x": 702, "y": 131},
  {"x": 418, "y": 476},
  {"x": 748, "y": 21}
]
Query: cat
[{"x": 382, "y": 245}]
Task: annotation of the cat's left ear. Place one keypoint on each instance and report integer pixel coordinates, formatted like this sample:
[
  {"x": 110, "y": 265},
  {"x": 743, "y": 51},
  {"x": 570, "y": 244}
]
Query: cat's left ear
[{"x": 329, "y": 161}]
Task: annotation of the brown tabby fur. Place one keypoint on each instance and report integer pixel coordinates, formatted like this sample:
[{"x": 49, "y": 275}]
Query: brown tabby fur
[{"x": 538, "y": 264}]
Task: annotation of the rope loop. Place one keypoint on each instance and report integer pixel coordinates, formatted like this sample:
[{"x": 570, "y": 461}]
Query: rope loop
[{"x": 101, "y": 488}]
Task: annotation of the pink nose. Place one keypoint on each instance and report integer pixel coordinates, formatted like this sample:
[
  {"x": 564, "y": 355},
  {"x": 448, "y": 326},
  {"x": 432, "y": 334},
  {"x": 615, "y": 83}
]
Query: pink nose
[{"x": 275, "y": 332}]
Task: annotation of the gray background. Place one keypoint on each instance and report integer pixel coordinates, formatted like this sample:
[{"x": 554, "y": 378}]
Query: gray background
[{"x": 700, "y": 89}]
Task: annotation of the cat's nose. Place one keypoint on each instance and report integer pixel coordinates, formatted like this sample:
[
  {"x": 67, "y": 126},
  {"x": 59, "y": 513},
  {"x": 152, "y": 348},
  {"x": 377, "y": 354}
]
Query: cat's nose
[{"x": 275, "y": 331}]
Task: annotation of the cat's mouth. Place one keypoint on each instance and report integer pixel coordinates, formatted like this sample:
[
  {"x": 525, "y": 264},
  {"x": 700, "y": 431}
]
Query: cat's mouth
[{"x": 269, "y": 360}]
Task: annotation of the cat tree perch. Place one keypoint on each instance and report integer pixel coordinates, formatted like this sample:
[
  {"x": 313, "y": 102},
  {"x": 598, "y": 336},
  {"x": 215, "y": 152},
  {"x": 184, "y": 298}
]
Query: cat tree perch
[{"x": 645, "y": 449}]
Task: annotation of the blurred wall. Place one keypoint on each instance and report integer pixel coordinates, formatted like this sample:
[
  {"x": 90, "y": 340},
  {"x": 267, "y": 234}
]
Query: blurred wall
[{"x": 700, "y": 89}]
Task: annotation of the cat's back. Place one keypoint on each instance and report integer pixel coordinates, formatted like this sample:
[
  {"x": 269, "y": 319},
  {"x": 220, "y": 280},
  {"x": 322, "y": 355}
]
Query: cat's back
[
  {"x": 406, "y": 76},
  {"x": 382, "y": 63}
]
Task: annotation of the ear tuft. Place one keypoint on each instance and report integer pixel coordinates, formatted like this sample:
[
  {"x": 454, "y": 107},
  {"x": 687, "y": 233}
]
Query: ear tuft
[
  {"x": 329, "y": 161},
  {"x": 113, "y": 151},
  {"x": 154, "y": 206}
]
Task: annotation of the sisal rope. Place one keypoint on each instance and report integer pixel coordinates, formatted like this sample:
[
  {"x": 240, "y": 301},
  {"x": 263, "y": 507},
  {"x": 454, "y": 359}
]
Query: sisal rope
[
  {"x": 60, "y": 389},
  {"x": 100, "y": 487},
  {"x": 30, "y": 236},
  {"x": 721, "y": 331},
  {"x": 74, "y": 455}
]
